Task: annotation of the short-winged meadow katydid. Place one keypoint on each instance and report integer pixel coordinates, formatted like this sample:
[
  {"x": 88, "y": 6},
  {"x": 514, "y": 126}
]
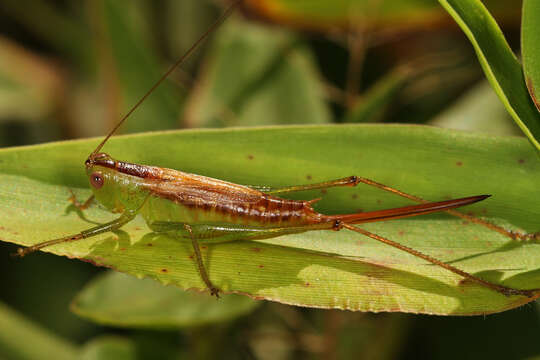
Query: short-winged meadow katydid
[{"x": 203, "y": 210}]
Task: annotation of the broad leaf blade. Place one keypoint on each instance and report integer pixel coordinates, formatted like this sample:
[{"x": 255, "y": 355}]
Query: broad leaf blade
[
  {"x": 119, "y": 300},
  {"x": 362, "y": 274},
  {"x": 501, "y": 66}
]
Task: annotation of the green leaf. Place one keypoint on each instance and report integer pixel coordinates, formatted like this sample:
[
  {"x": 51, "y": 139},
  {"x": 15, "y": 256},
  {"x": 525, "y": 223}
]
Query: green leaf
[
  {"x": 501, "y": 66},
  {"x": 109, "y": 347},
  {"x": 119, "y": 300},
  {"x": 22, "y": 339},
  {"x": 362, "y": 274},
  {"x": 256, "y": 76},
  {"x": 530, "y": 52}
]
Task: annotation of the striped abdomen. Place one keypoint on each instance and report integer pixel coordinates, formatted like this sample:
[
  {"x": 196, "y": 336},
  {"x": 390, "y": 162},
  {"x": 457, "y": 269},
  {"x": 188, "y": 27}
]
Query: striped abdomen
[{"x": 267, "y": 211}]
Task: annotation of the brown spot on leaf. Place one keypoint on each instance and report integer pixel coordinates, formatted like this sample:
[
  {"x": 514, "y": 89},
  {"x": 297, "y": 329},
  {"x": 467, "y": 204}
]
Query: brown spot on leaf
[
  {"x": 354, "y": 196},
  {"x": 323, "y": 191},
  {"x": 459, "y": 163},
  {"x": 250, "y": 157},
  {"x": 164, "y": 270},
  {"x": 149, "y": 244},
  {"x": 307, "y": 284},
  {"x": 122, "y": 249},
  {"x": 308, "y": 177},
  {"x": 401, "y": 233},
  {"x": 379, "y": 201},
  {"x": 521, "y": 161},
  {"x": 191, "y": 257},
  {"x": 261, "y": 266},
  {"x": 256, "y": 249}
]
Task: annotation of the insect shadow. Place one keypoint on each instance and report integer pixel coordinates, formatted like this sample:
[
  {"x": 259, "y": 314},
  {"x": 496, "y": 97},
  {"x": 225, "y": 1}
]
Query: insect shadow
[{"x": 172, "y": 263}]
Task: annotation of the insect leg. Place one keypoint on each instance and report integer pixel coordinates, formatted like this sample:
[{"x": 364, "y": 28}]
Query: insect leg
[
  {"x": 200, "y": 265},
  {"x": 212, "y": 233},
  {"x": 348, "y": 181},
  {"x": 511, "y": 234},
  {"x": 78, "y": 204},
  {"x": 110, "y": 226},
  {"x": 499, "y": 288}
]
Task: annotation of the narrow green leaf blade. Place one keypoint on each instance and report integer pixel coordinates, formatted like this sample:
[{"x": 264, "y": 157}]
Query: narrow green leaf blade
[
  {"x": 501, "y": 66},
  {"x": 530, "y": 51},
  {"x": 317, "y": 269}
]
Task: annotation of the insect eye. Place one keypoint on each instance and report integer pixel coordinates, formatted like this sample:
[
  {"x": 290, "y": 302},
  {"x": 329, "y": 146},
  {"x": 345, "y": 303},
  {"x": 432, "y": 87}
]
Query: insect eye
[{"x": 96, "y": 179}]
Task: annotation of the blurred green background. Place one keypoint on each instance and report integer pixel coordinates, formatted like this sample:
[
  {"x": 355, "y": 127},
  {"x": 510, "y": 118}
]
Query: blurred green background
[{"x": 71, "y": 69}]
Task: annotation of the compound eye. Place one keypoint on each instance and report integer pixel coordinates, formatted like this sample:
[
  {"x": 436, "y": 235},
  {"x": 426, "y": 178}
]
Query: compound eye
[{"x": 96, "y": 179}]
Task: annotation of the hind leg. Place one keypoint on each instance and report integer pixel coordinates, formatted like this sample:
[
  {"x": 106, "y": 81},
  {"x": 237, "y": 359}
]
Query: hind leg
[
  {"x": 348, "y": 181},
  {"x": 511, "y": 234},
  {"x": 499, "y": 288}
]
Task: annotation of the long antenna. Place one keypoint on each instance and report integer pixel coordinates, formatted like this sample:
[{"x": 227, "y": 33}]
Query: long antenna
[{"x": 203, "y": 37}]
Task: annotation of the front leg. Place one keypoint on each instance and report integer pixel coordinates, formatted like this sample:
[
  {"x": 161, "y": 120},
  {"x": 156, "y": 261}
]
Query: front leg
[
  {"x": 110, "y": 226},
  {"x": 79, "y": 205}
]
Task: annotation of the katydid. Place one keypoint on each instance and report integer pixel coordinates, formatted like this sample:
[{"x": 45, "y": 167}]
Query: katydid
[{"x": 203, "y": 210}]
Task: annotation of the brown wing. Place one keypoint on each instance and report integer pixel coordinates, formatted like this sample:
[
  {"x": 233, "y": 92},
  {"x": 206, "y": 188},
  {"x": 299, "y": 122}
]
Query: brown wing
[
  {"x": 240, "y": 201},
  {"x": 195, "y": 189}
]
